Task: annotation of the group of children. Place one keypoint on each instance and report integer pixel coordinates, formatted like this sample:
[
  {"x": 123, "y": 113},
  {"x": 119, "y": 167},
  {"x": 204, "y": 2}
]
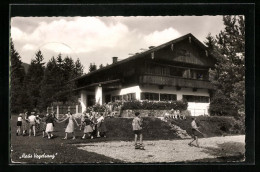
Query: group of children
[
  {"x": 93, "y": 124},
  {"x": 174, "y": 114},
  {"x": 27, "y": 122}
]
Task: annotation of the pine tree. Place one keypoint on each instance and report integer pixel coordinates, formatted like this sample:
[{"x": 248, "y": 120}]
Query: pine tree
[
  {"x": 33, "y": 79},
  {"x": 229, "y": 73},
  {"x": 100, "y": 66},
  {"x": 92, "y": 67},
  {"x": 18, "y": 97},
  {"x": 56, "y": 85},
  {"x": 78, "y": 68},
  {"x": 49, "y": 84}
]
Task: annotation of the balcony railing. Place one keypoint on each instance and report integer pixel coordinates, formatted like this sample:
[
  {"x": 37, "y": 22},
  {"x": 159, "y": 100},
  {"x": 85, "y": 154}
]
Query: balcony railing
[{"x": 175, "y": 81}]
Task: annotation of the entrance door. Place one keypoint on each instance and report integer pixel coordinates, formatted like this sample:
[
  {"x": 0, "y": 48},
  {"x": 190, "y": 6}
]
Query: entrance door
[
  {"x": 107, "y": 98},
  {"x": 90, "y": 100}
]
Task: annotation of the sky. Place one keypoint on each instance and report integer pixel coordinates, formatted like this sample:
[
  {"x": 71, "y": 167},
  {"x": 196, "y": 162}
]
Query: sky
[{"x": 98, "y": 39}]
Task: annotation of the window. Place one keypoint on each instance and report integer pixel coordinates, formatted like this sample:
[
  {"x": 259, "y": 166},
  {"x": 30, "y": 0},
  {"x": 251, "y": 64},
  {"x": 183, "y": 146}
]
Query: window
[
  {"x": 176, "y": 71},
  {"x": 125, "y": 97},
  {"x": 114, "y": 98},
  {"x": 150, "y": 96},
  {"x": 197, "y": 99},
  {"x": 168, "y": 97}
]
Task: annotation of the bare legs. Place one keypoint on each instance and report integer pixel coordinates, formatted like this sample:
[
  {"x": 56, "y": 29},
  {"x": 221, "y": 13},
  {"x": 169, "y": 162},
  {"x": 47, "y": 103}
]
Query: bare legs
[
  {"x": 140, "y": 137},
  {"x": 66, "y": 136},
  {"x": 50, "y": 135},
  {"x": 89, "y": 135},
  {"x": 197, "y": 142},
  {"x": 18, "y": 131},
  {"x": 30, "y": 131},
  {"x": 136, "y": 139}
]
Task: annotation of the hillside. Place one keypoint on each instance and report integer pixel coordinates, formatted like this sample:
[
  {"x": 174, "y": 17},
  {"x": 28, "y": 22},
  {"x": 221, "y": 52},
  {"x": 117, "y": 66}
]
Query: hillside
[{"x": 155, "y": 129}]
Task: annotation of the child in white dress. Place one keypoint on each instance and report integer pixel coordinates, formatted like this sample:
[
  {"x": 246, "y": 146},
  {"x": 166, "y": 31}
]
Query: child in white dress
[{"x": 70, "y": 127}]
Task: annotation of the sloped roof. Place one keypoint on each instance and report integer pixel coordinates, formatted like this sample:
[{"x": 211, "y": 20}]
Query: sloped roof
[{"x": 200, "y": 44}]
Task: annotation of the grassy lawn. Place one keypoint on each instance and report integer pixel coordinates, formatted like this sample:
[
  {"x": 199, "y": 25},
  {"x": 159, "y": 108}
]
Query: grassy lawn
[
  {"x": 119, "y": 129},
  {"x": 63, "y": 150}
]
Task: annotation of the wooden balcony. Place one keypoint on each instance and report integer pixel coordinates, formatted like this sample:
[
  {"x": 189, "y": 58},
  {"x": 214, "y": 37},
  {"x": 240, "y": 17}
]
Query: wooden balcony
[{"x": 175, "y": 81}]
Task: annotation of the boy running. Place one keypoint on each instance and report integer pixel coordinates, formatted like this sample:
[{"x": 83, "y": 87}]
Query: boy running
[
  {"x": 137, "y": 128},
  {"x": 195, "y": 131}
]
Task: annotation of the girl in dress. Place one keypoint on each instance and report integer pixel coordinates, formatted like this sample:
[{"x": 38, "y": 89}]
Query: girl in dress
[
  {"x": 101, "y": 127},
  {"x": 88, "y": 128},
  {"x": 49, "y": 125},
  {"x": 70, "y": 127}
]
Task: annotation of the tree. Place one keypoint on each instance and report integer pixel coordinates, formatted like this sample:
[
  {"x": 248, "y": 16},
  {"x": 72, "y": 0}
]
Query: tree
[
  {"x": 100, "y": 66},
  {"x": 229, "y": 73},
  {"x": 33, "y": 79},
  {"x": 68, "y": 68},
  {"x": 92, "y": 67},
  {"x": 52, "y": 84},
  {"x": 78, "y": 68},
  {"x": 48, "y": 88},
  {"x": 56, "y": 85},
  {"x": 18, "y": 97}
]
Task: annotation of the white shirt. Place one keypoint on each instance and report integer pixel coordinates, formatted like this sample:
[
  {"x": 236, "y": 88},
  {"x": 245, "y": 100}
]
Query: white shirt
[
  {"x": 194, "y": 125},
  {"x": 19, "y": 118},
  {"x": 32, "y": 118},
  {"x": 100, "y": 119}
]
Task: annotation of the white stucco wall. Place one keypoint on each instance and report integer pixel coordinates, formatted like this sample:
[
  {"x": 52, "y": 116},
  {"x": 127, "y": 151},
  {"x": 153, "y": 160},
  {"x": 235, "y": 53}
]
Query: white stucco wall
[
  {"x": 195, "y": 108},
  {"x": 98, "y": 95},
  {"x": 173, "y": 90}
]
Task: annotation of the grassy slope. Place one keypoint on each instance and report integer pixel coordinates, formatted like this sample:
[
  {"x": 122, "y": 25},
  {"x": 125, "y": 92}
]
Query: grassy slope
[
  {"x": 211, "y": 126},
  {"x": 118, "y": 129}
]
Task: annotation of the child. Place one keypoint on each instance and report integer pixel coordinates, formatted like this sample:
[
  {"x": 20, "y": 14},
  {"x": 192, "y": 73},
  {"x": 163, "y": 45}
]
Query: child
[
  {"x": 19, "y": 124},
  {"x": 88, "y": 128},
  {"x": 43, "y": 125},
  {"x": 25, "y": 122},
  {"x": 70, "y": 127},
  {"x": 101, "y": 127},
  {"x": 94, "y": 120},
  {"x": 49, "y": 125},
  {"x": 82, "y": 119},
  {"x": 137, "y": 128},
  {"x": 32, "y": 122},
  {"x": 194, "y": 130}
]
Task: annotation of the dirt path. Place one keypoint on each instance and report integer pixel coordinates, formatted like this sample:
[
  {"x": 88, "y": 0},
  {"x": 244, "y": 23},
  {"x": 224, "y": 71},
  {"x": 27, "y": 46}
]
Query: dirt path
[{"x": 169, "y": 150}]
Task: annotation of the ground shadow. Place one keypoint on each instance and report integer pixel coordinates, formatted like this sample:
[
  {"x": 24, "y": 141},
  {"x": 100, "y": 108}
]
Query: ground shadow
[{"x": 226, "y": 152}]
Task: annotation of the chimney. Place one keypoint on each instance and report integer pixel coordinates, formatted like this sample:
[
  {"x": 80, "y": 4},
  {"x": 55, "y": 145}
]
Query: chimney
[
  {"x": 114, "y": 59},
  {"x": 151, "y": 47}
]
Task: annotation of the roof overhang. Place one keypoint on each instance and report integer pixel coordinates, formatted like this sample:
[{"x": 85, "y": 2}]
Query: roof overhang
[{"x": 104, "y": 83}]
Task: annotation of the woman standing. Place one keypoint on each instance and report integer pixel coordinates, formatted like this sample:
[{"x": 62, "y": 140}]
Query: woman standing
[{"x": 70, "y": 127}]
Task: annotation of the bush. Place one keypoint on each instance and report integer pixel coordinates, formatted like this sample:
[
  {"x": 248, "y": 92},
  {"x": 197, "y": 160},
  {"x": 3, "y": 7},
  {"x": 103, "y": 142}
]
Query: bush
[
  {"x": 222, "y": 106},
  {"x": 153, "y": 105},
  {"x": 186, "y": 113}
]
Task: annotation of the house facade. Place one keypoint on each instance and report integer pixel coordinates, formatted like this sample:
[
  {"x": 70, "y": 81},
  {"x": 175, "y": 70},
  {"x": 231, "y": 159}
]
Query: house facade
[{"x": 176, "y": 70}]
